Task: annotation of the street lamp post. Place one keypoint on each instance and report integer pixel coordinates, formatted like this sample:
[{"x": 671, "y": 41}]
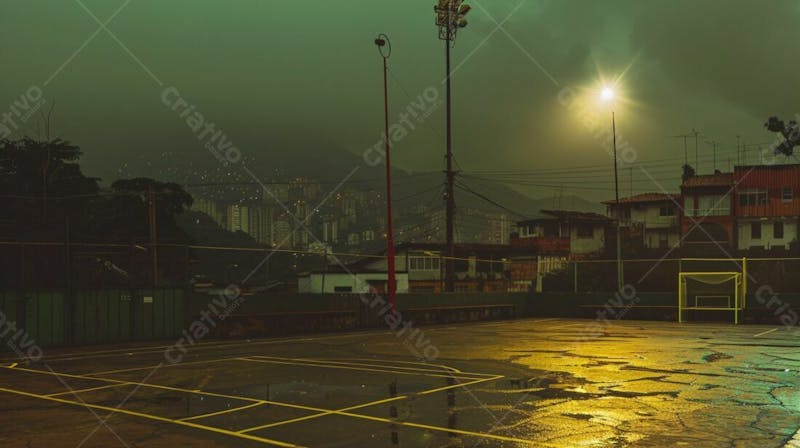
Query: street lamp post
[
  {"x": 450, "y": 16},
  {"x": 385, "y": 48},
  {"x": 616, "y": 200},
  {"x": 608, "y": 96}
]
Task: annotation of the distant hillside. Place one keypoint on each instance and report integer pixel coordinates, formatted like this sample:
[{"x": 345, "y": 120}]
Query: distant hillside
[{"x": 330, "y": 164}]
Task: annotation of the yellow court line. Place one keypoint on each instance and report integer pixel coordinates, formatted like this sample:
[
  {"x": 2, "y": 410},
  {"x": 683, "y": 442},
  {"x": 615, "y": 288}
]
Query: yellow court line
[
  {"x": 397, "y": 361},
  {"x": 482, "y": 435},
  {"x": 200, "y": 346},
  {"x": 445, "y": 370},
  {"x": 410, "y": 424},
  {"x": 364, "y": 369},
  {"x": 212, "y": 414},
  {"x": 134, "y": 369},
  {"x": 178, "y": 389},
  {"x": 13, "y": 365},
  {"x": 78, "y": 391},
  {"x": 343, "y": 411},
  {"x": 151, "y": 417},
  {"x": 321, "y": 411},
  {"x": 457, "y": 385},
  {"x": 133, "y": 383}
]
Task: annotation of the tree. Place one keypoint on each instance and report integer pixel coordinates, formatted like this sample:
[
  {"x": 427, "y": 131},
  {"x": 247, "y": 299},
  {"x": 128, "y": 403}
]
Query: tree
[
  {"x": 42, "y": 183},
  {"x": 127, "y": 214}
]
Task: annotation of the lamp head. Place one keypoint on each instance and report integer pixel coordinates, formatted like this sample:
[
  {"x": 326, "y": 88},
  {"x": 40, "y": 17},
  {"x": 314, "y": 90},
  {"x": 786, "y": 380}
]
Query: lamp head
[{"x": 607, "y": 94}]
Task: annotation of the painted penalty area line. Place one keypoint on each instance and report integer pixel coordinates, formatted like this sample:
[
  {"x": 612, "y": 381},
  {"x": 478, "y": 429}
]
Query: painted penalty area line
[{"x": 765, "y": 332}]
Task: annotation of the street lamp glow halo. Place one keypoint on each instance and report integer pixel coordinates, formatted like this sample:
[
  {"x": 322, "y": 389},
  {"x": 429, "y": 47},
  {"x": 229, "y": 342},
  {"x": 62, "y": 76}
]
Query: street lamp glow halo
[{"x": 607, "y": 94}]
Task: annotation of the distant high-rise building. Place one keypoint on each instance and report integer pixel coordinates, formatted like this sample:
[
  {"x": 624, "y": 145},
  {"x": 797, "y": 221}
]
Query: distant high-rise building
[
  {"x": 276, "y": 195},
  {"x": 238, "y": 218},
  {"x": 259, "y": 225},
  {"x": 330, "y": 230},
  {"x": 499, "y": 229},
  {"x": 281, "y": 232},
  {"x": 210, "y": 208}
]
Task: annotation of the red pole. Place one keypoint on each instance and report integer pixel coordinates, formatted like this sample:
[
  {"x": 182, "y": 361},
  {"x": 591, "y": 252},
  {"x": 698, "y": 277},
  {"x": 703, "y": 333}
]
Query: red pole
[{"x": 392, "y": 284}]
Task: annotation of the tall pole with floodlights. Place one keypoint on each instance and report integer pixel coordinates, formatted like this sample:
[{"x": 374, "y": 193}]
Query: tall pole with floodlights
[
  {"x": 450, "y": 16},
  {"x": 385, "y": 48}
]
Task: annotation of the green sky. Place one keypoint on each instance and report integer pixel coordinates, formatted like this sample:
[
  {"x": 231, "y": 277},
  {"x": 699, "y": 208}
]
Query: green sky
[{"x": 285, "y": 77}]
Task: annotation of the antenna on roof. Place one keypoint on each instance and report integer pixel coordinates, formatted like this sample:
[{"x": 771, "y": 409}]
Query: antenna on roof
[{"x": 685, "y": 146}]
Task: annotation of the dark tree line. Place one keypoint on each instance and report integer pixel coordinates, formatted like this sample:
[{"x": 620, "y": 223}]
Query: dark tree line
[
  {"x": 48, "y": 201},
  {"x": 45, "y": 192}
]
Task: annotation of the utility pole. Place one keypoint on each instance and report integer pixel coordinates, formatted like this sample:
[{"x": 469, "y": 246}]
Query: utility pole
[
  {"x": 151, "y": 213},
  {"x": 616, "y": 203},
  {"x": 449, "y": 18},
  {"x": 385, "y": 48}
]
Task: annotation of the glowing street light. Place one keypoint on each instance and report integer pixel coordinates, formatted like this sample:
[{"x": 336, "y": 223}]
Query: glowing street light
[{"x": 607, "y": 95}]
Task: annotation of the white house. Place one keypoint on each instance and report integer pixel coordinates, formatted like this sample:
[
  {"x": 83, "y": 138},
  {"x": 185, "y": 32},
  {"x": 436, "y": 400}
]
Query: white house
[
  {"x": 339, "y": 281},
  {"x": 653, "y": 216},
  {"x": 562, "y": 232}
]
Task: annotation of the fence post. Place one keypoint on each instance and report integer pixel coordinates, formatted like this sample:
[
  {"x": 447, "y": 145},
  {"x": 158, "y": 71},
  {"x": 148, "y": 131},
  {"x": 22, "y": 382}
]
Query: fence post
[{"x": 575, "y": 275}]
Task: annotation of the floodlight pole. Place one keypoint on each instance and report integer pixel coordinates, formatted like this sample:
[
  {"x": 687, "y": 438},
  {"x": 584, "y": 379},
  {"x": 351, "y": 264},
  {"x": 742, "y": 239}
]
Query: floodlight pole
[
  {"x": 616, "y": 201},
  {"x": 450, "y": 206},
  {"x": 385, "y": 48},
  {"x": 450, "y": 16}
]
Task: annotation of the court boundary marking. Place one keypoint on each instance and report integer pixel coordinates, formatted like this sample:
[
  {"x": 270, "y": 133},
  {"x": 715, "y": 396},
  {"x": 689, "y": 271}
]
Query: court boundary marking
[
  {"x": 147, "y": 349},
  {"x": 254, "y": 402}
]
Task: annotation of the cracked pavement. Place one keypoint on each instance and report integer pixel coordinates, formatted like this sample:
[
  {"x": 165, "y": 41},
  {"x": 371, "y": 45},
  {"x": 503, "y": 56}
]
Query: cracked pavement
[{"x": 563, "y": 384}]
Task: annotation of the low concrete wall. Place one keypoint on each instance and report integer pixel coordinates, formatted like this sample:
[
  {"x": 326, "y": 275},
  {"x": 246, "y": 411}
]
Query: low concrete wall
[{"x": 274, "y": 314}]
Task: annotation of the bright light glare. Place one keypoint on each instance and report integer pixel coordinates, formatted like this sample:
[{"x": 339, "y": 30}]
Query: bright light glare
[{"x": 607, "y": 94}]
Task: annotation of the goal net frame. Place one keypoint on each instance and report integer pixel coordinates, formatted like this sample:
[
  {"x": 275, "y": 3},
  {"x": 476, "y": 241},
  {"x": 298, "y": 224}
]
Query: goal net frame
[{"x": 735, "y": 303}]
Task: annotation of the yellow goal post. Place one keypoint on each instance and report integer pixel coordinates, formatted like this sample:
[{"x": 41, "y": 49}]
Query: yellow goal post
[{"x": 711, "y": 291}]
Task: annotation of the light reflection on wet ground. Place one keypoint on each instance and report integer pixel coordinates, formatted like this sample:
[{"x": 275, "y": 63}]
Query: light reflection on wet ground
[{"x": 648, "y": 384}]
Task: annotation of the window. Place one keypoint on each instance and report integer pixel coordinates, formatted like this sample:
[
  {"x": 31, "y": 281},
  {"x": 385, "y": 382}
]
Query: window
[
  {"x": 666, "y": 211},
  {"x": 753, "y": 197},
  {"x": 787, "y": 194},
  {"x": 585, "y": 231},
  {"x": 777, "y": 230},
  {"x": 423, "y": 264},
  {"x": 755, "y": 231},
  {"x": 711, "y": 205}
]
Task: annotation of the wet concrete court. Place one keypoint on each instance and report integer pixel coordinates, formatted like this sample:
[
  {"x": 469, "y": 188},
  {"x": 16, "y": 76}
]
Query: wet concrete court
[{"x": 545, "y": 382}]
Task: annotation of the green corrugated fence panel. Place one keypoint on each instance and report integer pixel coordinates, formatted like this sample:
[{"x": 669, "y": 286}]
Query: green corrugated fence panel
[
  {"x": 169, "y": 315},
  {"x": 113, "y": 316},
  {"x": 102, "y": 317},
  {"x": 31, "y": 315},
  {"x": 125, "y": 315},
  {"x": 60, "y": 316},
  {"x": 47, "y": 308},
  {"x": 159, "y": 301}
]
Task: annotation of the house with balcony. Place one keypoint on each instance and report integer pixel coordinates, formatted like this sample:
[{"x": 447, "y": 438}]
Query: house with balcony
[
  {"x": 707, "y": 221},
  {"x": 564, "y": 233},
  {"x": 652, "y": 219},
  {"x": 420, "y": 268},
  {"x": 767, "y": 206}
]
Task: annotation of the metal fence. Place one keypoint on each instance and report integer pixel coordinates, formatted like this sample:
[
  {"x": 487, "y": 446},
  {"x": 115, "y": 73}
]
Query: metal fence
[{"x": 661, "y": 275}]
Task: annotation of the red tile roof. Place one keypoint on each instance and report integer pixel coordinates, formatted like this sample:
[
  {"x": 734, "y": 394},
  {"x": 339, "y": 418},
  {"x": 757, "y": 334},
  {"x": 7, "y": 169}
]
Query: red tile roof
[
  {"x": 710, "y": 180},
  {"x": 645, "y": 198}
]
